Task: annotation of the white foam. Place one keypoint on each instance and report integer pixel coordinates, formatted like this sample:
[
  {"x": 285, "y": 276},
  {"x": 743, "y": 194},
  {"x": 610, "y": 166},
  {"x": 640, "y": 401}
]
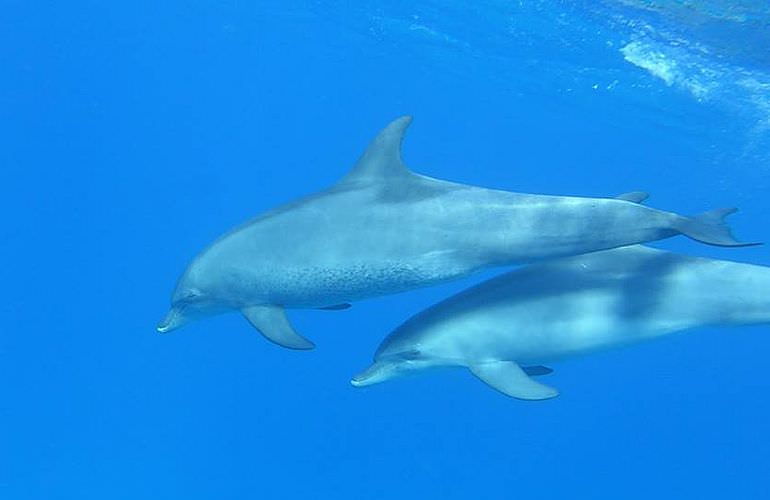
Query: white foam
[{"x": 700, "y": 81}]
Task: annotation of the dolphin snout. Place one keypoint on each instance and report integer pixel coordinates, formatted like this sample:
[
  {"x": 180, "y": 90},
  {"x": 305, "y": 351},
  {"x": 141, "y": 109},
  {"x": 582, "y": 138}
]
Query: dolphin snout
[
  {"x": 378, "y": 372},
  {"x": 173, "y": 320},
  {"x": 359, "y": 381}
]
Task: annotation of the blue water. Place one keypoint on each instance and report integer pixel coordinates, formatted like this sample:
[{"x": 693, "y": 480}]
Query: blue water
[{"x": 136, "y": 132}]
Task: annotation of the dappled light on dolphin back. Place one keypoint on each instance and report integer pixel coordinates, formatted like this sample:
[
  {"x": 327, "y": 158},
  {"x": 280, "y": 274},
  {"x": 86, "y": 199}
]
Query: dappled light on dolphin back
[
  {"x": 570, "y": 307},
  {"x": 384, "y": 229}
]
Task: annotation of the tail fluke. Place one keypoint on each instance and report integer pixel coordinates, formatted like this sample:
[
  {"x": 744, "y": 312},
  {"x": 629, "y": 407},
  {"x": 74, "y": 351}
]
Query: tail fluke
[{"x": 710, "y": 227}]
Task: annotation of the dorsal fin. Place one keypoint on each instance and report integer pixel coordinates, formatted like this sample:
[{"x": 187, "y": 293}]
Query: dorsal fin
[{"x": 382, "y": 159}]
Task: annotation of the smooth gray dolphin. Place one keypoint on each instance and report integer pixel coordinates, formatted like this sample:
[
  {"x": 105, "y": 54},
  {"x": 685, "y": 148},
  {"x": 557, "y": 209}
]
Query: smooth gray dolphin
[
  {"x": 568, "y": 307},
  {"x": 384, "y": 229}
]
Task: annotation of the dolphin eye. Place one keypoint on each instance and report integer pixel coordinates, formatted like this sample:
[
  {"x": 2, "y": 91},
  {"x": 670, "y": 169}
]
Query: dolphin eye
[
  {"x": 412, "y": 354},
  {"x": 191, "y": 296}
]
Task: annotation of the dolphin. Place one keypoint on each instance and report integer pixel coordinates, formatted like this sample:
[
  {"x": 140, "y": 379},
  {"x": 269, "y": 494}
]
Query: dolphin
[
  {"x": 383, "y": 229},
  {"x": 503, "y": 329}
]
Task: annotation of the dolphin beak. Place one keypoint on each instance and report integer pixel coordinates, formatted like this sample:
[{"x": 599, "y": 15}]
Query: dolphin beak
[
  {"x": 173, "y": 320},
  {"x": 378, "y": 372}
]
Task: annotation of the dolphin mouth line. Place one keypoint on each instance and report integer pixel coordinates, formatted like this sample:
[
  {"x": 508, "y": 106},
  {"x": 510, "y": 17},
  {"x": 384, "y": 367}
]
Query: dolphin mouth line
[
  {"x": 172, "y": 321},
  {"x": 376, "y": 373},
  {"x": 363, "y": 379}
]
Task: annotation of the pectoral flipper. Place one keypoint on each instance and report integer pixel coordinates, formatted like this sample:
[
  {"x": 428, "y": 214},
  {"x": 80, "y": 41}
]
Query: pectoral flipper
[
  {"x": 510, "y": 379},
  {"x": 271, "y": 321}
]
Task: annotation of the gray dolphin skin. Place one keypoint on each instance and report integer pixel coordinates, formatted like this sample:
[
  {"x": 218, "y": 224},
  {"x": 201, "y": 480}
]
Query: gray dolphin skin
[
  {"x": 384, "y": 229},
  {"x": 504, "y": 328}
]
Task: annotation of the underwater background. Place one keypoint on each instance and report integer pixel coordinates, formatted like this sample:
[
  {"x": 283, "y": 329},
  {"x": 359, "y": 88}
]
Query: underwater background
[{"x": 134, "y": 133}]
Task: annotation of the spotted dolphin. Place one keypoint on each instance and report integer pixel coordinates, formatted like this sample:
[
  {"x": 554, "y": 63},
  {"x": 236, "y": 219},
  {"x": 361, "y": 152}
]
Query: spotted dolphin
[
  {"x": 504, "y": 329},
  {"x": 383, "y": 229}
]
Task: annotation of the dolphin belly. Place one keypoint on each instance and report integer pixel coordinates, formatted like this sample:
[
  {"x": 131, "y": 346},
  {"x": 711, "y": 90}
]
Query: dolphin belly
[
  {"x": 327, "y": 253},
  {"x": 543, "y": 329}
]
